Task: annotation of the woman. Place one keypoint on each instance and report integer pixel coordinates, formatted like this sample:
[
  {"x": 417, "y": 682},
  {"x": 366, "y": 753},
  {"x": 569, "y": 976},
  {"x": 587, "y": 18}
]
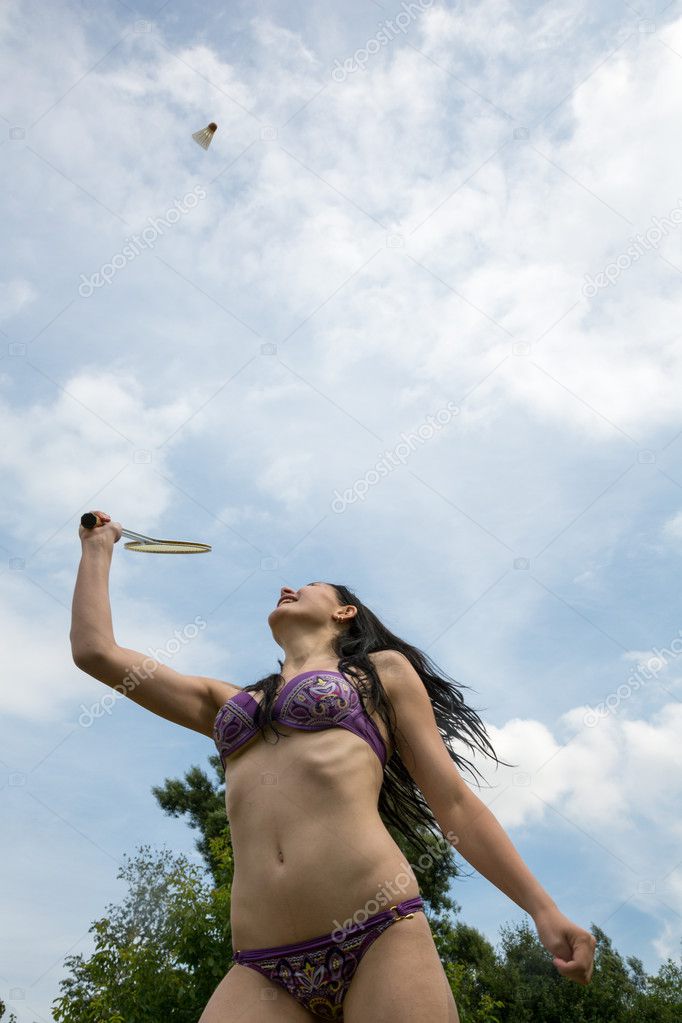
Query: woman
[{"x": 319, "y": 883}]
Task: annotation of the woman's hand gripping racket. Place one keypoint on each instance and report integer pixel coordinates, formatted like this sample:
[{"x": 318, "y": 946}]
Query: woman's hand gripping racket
[{"x": 139, "y": 542}]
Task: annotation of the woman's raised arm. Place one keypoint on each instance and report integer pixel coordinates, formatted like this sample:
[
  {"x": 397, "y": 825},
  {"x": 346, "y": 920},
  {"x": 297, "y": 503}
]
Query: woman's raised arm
[{"x": 189, "y": 700}]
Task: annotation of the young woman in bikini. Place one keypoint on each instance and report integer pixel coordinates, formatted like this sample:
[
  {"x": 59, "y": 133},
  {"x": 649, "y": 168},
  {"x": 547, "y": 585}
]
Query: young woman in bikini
[{"x": 327, "y": 918}]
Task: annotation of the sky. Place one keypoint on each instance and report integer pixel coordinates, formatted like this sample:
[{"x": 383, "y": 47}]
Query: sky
[{"x": 410, "y": 324}]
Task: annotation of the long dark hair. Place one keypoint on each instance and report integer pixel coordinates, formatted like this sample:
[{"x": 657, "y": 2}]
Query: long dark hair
[{"x": 401, "y": 803}]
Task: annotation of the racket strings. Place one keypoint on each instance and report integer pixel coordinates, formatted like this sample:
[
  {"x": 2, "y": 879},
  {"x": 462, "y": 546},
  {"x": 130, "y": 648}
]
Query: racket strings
[
  {"x": 169, "y": 547},
  {"x": 152, "y": 545}
]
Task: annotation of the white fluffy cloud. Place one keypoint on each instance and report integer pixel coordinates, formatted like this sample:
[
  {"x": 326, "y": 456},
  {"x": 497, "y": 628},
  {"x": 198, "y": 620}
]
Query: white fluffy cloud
[
  {"x": 614, "y": 789},
  {"x": 606, "y": 777},
  {"x": 86, "y": 438}
]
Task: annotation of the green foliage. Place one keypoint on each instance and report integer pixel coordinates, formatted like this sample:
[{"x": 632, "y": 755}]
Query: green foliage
[
  {"x": 660, "y": 999},
  {"x": 3, "y": 1009},
  {"x": 519, "y": 983},
  {"x": 161, "y": 953},
  {"x": 201, "y": 802}
]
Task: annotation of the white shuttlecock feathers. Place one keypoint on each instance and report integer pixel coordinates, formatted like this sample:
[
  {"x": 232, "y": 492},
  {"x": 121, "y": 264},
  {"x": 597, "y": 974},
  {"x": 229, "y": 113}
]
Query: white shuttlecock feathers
[{"x": 203, "y": 137}]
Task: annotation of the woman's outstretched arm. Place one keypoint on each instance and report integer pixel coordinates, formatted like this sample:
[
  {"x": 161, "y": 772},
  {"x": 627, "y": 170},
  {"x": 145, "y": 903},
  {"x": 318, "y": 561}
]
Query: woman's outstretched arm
[
  {"x": 480, "y": 838},
  {"x": 468, "y": 824}
]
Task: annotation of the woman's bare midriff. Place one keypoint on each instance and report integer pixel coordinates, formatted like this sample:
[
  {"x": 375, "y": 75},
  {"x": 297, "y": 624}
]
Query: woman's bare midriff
[{"x": 311, "y": 853}]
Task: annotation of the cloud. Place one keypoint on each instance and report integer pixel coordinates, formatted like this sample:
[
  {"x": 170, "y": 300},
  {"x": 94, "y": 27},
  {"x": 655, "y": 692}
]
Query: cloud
[
  {"x": 312, "y": 210},
  {"x": 672, "y": 528},
  {"x": 615, "y": 789},
  {"x": 86, "y": 439},
  {"x": 14, "y": 295},
  {"x": 607, "y": 776}
]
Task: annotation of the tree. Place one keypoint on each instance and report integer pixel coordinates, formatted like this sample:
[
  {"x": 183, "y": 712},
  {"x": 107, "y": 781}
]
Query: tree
[
  {"x": 468, "y": 960},
  {"x": 201, "y": 801},
  {"x": 3, "y": 1009},
  {"x": 660, "y": 1000},
  {"x": 162, "y": 952}
]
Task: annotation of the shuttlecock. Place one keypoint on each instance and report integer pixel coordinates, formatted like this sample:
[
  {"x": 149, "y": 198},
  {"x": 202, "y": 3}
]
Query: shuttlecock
[{"x": 204, "y": 136}]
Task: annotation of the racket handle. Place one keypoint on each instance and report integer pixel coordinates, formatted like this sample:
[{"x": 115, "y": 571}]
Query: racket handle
[{"x": 89, "y": 520}]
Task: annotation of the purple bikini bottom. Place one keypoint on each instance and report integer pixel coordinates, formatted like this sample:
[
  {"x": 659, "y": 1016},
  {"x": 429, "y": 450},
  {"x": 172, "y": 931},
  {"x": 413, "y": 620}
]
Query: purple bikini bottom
[{"x": 318, "y": 972}]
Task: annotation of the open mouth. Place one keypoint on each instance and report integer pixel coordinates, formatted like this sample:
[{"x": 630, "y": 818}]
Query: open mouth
[{"x": 285, "y": 600}]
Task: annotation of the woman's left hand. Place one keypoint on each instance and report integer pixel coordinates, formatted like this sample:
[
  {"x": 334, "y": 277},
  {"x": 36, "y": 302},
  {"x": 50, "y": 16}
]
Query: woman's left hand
[{"x": 572, "y": 946}]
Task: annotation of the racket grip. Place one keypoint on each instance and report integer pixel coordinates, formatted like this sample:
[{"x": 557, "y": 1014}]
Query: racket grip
[{"x": 89, "y": 520}]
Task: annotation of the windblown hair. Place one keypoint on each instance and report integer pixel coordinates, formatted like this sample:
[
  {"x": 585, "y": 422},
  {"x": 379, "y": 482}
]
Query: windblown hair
[{"x": 401, "y": 803}]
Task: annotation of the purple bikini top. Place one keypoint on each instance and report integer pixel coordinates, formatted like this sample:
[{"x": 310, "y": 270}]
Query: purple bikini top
[{"x": 310, "y": 701}]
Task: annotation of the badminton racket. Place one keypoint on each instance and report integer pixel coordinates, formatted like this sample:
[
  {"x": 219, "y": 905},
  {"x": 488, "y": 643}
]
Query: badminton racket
[{"x": 148, "y": 544}]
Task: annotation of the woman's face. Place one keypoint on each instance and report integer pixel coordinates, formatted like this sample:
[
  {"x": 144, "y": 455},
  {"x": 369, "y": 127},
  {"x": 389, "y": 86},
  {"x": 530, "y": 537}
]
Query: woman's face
[{"x": 314, "y": 604}]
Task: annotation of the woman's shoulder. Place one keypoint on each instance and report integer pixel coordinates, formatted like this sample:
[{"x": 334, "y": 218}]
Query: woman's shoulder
[
  {"x": 388, "y": 661},
  {"x": 386, "y": 664},
  {"x": 387, "y": 656}
]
